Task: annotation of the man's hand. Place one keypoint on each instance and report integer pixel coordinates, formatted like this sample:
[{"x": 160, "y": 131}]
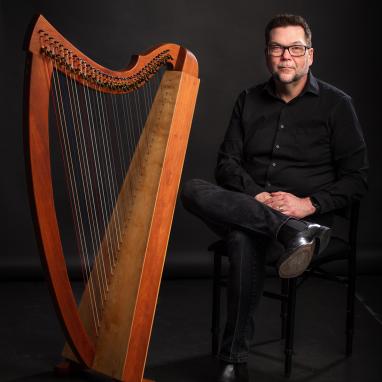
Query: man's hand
[
  {"x": 290, "y": 205},
  {"x": 263, "y": 196}
]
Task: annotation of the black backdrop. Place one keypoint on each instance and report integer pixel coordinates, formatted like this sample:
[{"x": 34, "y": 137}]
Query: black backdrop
[{"x": 227, "y": 38}]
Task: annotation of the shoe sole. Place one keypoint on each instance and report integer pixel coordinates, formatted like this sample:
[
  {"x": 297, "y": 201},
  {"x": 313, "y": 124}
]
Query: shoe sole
[{"x": 298, "y": 261}]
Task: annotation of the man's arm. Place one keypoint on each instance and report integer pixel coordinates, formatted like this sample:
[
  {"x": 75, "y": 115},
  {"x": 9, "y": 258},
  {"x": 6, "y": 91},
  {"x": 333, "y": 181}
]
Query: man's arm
[
  {"x": 349, "y": 157},
  {"x": 229, "y": 172}
]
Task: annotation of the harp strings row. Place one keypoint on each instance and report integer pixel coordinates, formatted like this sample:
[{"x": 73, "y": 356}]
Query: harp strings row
[{"x": 100, "y": 135}]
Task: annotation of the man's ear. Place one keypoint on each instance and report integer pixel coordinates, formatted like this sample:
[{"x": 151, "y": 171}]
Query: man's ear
[{"x": 311, "y": 56}]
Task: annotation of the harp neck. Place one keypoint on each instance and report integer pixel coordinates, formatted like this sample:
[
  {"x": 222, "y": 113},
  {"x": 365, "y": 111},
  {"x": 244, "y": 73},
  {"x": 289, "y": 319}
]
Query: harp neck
[{"x": 46, "y": 40}]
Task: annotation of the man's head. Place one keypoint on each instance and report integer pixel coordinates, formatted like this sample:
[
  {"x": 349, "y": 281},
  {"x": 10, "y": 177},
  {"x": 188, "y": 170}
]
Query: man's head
[{"x": 288, "y": 49}]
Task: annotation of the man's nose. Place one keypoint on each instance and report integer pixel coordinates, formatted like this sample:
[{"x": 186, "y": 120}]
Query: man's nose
[{"x": 286, "y": 54}]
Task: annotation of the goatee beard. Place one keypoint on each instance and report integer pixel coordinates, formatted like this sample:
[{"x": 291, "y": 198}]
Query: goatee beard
[{"x": 293, "y": 79}]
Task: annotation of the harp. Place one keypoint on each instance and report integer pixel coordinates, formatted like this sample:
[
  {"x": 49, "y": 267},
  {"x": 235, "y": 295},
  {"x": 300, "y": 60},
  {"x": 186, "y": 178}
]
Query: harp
[{"x": 122, "y": 137}]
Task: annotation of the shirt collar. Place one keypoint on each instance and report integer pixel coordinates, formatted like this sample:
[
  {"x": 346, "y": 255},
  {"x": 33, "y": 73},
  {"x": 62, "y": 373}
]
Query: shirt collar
[{"x": 311, "y": 86}]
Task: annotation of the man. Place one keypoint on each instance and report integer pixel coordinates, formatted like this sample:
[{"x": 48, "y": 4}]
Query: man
[{"x": 293, "y": 152}]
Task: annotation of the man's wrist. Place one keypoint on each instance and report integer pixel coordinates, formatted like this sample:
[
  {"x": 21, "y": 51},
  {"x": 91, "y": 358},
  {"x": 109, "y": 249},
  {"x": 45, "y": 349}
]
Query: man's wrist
[{"x": 315, "y": 204}]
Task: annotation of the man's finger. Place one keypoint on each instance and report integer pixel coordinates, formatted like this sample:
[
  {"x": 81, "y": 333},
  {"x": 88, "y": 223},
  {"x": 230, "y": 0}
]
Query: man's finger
[{"x": 278, "y": 198}]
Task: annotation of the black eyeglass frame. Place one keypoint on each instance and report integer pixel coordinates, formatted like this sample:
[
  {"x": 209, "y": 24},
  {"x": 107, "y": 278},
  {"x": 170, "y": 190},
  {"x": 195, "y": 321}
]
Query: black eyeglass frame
[{"x": 267, "y": 49}]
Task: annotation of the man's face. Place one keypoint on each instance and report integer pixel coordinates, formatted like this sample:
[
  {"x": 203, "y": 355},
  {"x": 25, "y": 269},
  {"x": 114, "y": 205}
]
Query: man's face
[{"x": 287, "y": 68}]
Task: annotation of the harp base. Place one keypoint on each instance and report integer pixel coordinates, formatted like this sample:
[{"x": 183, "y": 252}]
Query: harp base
[{"x": 67, "y": 367}]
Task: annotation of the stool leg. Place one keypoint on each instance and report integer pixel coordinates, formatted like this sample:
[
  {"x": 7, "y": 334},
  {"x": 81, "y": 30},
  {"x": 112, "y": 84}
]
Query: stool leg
[
  {"x": 283, "y": 314},
  {"x": 350, "y": 305},
  {"x": 291, "y": 308},
  {"x": 216, "y": 297}
]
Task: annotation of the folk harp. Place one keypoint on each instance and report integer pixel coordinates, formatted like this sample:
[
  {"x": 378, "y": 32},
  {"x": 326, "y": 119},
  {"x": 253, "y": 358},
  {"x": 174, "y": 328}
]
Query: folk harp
[{"x": 122, "y": 137}]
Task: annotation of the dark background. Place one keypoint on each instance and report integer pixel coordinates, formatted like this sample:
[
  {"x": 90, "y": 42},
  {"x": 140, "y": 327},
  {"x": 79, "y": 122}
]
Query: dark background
[{"x": 227, "y": 38}]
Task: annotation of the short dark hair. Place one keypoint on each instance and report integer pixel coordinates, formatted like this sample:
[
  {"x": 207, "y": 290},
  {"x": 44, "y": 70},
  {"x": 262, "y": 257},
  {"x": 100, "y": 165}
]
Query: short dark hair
[{"x": 285, "y": 20}]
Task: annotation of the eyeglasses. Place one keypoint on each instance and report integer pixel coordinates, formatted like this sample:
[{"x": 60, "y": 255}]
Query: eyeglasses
[{"x": 294, "y": 50}]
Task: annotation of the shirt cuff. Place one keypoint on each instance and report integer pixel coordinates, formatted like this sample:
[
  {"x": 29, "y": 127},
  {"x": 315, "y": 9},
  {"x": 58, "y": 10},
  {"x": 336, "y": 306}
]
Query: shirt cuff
[{"x": 323, "y": 198}]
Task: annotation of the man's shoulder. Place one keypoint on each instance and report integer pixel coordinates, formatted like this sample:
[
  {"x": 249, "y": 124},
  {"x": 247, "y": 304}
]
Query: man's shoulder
[
  {"x": 255, "y": 89},
  {"x": 329, "y": 90},
  {"x": 252, "y": 91}
]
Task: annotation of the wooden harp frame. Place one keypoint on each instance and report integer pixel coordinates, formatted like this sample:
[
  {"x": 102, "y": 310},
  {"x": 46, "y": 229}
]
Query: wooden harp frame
[{"x": 171, "y": 114}]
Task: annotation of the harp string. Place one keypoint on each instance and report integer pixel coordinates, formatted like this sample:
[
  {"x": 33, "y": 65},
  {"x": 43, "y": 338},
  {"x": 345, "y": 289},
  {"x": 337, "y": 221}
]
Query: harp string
[
  {"x": 113, "y": 210},
  {"x": 127, "y": 143},
  {"x": 78, "y": 127},
  {"x": 131, "y": 143},
  {"x": 137, "y": 109},
  {"x": 130, "y": 137},
  {"x": 95, "y": 188},
  {"x": 121, "y": 151},
  {"x": 69, "y": 172},
  {"x": 104, "y": 173},
  {"x": 88, "y": 190},
  {"x": 108, "y": 121},
  {"x": 118, "y": 161},
  {"x": 85, "y": 178}
]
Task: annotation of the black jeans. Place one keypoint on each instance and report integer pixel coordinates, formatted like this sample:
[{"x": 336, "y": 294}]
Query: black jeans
[{"x": 250, "y": 229}]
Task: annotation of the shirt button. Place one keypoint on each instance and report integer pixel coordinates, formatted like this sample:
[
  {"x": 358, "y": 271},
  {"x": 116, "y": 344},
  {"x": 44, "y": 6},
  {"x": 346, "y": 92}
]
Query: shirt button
[
  {"x": 282, "y": 126},
  {"x": 274, "y": 164},
  {"x": 268, "y": 184},
  {"x": 277, "y": 146}
]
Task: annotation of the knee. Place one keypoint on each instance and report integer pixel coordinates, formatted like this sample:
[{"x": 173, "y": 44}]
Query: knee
[
  {"x": 187, "y": 189},
  {"x": 189, "y": 192}
]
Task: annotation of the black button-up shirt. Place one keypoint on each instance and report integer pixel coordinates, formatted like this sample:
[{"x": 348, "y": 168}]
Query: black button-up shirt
[{"x": 310, "y": 146}]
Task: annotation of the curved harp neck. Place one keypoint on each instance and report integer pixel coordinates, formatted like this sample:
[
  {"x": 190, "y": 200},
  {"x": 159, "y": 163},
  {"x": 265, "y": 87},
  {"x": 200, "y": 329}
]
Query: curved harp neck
[{"x": 46, "y": 40}]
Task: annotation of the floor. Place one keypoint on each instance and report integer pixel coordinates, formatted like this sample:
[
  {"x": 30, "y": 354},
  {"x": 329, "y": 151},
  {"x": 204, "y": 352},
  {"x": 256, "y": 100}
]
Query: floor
[{"x": 31, "y": 339}]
